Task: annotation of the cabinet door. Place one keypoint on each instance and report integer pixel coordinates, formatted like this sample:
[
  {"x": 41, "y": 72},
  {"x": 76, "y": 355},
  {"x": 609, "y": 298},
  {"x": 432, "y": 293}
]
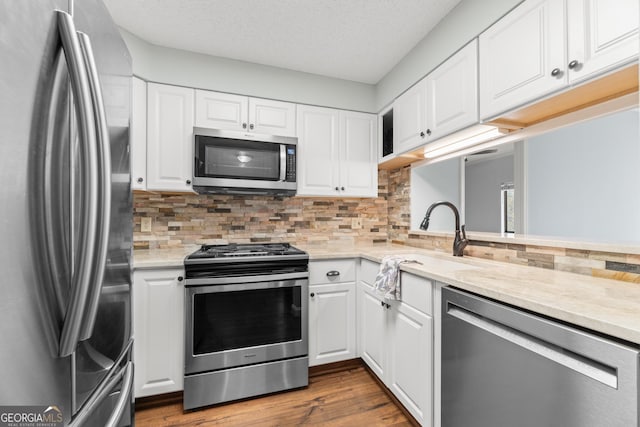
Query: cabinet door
[
  {"x": 318, "y": 145},
  {"x": 158, "y": 322},
  {"x": 169, "y": 138},
  {"x": 518, "y": 56},
  {"x": 602, "y": 34},
  {"x": 452, "y": 93},
  {"x": 332, "y": 323},
  {"x": 221, "y": 110},
  {"x": 139, "y": 135},
  {"x": 410, "y": 376},
  {"x": 272, "y": 117},
  {"x": 358, "y": 163},
  {"x": 410, "y": 118},
  {"x": 372, "y": 324}
]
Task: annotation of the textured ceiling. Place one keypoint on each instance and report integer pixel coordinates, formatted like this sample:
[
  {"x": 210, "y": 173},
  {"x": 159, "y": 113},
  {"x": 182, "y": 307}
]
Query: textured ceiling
[{"x": 359, "y": 40}]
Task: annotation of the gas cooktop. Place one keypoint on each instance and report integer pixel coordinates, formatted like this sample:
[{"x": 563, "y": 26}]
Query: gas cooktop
[{"x": 246, "y": 250}]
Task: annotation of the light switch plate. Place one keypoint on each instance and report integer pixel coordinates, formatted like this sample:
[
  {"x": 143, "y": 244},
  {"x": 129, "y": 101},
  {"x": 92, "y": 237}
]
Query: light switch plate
[{"x": 145, "y": 225}]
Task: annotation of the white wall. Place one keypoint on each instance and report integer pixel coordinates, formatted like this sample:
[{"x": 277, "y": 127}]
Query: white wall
[
  {"x": 183, "y": 68},
  {"x": 583, "y": 181},
  {"x": 468, "y": 19},
  {"x": 433, "y": 183},
  {"x": 482, "y": 192}
]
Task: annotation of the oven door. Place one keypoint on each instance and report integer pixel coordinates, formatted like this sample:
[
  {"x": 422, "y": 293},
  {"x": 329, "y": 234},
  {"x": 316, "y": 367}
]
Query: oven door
[{"x": 243, "y": 321}]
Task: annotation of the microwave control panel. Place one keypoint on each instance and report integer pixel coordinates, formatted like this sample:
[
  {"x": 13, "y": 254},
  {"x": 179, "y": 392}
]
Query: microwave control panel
[{"x": 291, "y": 163}]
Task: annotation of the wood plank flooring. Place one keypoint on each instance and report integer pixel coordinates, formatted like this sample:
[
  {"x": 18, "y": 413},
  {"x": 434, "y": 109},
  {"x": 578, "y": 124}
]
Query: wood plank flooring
[{"x": 350, "y": 397}]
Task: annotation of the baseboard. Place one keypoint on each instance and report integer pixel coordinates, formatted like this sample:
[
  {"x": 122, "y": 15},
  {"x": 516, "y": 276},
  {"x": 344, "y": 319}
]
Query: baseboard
[
  {"x": 330, "y": 368},
  {"x": 158, "y": 400}
]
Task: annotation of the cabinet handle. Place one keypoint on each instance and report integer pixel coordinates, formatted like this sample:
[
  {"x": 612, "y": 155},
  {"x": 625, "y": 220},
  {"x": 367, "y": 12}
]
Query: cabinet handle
[
  {"x": 140, "y": 180},
  {"x": 188, "y": 182},
  {"x": 244, "y": 126},
  {"x": 312, "y": 295},
  {"x": 180, "y": 278},
  {"x": 421, "y": 134},
  {"x": 573, "y": 64},
  {"x": 556, "y": 72},
  {"x": 251, "y": 126},
  {"x": 333, "y": 273}
]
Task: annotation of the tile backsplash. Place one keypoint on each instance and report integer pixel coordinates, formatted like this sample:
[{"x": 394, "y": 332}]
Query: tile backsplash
[
  {"x": 172, "y": 220},
  {"x": 179, "y": 219}
]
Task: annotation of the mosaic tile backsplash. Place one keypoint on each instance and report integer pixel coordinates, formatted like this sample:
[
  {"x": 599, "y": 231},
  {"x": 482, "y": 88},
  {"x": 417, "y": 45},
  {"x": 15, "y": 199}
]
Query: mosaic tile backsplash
[{"x": 178, "y": 219}]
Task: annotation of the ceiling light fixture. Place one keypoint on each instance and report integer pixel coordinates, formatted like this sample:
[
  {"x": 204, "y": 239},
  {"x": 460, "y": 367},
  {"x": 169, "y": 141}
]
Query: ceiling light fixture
[{"x": 463, "y": 140}]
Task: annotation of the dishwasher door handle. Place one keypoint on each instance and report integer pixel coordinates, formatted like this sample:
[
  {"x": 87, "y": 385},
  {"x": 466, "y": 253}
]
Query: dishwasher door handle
[{"x": 591, "y": 368}]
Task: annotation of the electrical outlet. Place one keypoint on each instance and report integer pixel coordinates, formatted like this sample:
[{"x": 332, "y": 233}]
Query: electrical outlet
[
  {"x": 356, "y": 223},
  {"x": 145, "y": 225}
]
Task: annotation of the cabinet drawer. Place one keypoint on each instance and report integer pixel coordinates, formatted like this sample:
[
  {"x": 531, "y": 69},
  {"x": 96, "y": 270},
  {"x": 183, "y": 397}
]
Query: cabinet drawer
[
  {"x": 324, "y": 271},
  {"x": 417, "y": 292},
  {"x": 368, "y": 271}
]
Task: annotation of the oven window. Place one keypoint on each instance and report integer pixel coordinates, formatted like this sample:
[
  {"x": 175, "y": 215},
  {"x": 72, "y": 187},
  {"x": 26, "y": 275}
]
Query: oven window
[
  {"x": 231, "y": 158},
  {"x": 232, "y": 320}
]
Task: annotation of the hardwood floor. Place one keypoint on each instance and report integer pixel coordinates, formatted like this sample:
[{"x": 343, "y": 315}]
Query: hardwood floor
[{"x": 350, "y": 397}]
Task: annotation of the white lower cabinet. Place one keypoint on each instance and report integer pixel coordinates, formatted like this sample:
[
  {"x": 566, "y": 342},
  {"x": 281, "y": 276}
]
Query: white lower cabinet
[
  {"x": 332, "y": 311},
  {"x": 396, "y": 339},
  {"x": 158, "y": 330}
]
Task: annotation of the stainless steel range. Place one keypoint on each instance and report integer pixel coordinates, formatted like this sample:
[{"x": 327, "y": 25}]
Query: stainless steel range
[{"x": 246, "y": 322}]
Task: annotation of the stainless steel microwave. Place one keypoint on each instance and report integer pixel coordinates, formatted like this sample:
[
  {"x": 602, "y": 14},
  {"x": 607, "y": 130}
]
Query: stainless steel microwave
[{"x": 229, "y": 162}]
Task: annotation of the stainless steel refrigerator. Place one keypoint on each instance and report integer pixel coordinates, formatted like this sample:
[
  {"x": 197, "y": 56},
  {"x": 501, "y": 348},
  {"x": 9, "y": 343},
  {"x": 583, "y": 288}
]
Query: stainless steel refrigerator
[{"x": 65, "y": 214}]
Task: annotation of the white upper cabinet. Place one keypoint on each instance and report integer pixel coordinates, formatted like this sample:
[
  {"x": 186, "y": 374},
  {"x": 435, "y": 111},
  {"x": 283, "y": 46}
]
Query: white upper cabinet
[
  {"x": 410, "y": 118},
  {"x": 169, "y": 137},
  {"x": 602, "y": 35},
  {"x": 358, "y": 161},
  {"x": 139, "y": 135},
  {"x": 272, "y": 117},
  {"x": 452, "y": 93},
  {"x": 445, "y": 101},
  {"x": 241, "y": 113},
  {"x": 545, "y": 45},
  {"x": 221, "y": 110},
  {"x": 522, "y": 56},
  {"x": 336, "y": 153}
]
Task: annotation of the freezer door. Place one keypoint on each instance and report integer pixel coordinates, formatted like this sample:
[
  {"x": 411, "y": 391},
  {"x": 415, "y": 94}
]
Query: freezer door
[
  {"x": 34, "y": 108},
  {"x": 502, "y": 366}
]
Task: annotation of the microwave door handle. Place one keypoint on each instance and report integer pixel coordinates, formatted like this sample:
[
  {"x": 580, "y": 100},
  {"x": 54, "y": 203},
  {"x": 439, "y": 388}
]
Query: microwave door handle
[
  {"x": 104, "y": 189},
  {"x": 283, "y": 162},
  {"x": 81, "y": 280}
]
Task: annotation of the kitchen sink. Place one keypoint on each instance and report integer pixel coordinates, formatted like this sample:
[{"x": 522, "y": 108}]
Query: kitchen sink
[{"x": 438, "y": 263}]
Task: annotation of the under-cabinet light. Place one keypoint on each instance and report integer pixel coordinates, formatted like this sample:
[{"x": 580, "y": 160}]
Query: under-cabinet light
[{"x": 447, "y": 145}]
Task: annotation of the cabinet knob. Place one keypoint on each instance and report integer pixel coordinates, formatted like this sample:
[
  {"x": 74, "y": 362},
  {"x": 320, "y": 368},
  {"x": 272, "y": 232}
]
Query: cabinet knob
[
  {"x": 382, "y": 303},
  {"x": 180, "y": 278},
  {"x": 244, "y": 126},
  {"x": 556, "y": 72},
  {"x": 140, "y": 180},
  {"x": 312, "y": 295},
  {"x": 337, "y": 188},
  {"x": 573, "y": 64},
  {"x": 428, "y": 131},
  {"x": 421, "y": 134},
  {"x": 188, "y": 182},
  {"x": 251, "y": 126},
  {"x": 342, "y": 188}
]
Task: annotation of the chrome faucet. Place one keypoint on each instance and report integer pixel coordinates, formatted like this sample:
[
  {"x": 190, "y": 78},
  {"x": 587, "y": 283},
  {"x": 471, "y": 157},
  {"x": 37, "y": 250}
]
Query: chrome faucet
[{"x": 460, "y": 241}]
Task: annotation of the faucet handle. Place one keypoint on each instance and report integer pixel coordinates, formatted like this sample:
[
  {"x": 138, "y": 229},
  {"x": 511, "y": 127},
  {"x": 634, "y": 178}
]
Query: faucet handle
[{"x": 464, "y": 233}]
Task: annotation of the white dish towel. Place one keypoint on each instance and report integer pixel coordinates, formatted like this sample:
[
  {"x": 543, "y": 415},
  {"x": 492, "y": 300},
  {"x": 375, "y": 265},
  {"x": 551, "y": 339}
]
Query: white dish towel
[{"x": 387, "y": 284}]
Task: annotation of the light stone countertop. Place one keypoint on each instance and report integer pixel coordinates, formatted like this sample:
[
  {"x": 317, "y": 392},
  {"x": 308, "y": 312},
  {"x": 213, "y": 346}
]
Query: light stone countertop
[{"x": 608, "y": 306}]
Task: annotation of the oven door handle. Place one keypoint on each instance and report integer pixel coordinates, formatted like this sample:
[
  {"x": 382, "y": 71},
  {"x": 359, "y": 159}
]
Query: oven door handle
[{"x": 237, "y": 280}]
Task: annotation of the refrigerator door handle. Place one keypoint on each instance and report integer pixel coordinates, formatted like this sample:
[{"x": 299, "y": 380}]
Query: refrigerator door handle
[
  {"x": 104, "y": 189},
  {"x": 85, "y": 251},
  {"x": 106, "y": 386}
]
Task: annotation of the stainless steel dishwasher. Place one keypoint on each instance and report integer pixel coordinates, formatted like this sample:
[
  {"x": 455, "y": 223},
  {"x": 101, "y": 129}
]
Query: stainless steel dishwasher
[{"x": 504, "y": 367}]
